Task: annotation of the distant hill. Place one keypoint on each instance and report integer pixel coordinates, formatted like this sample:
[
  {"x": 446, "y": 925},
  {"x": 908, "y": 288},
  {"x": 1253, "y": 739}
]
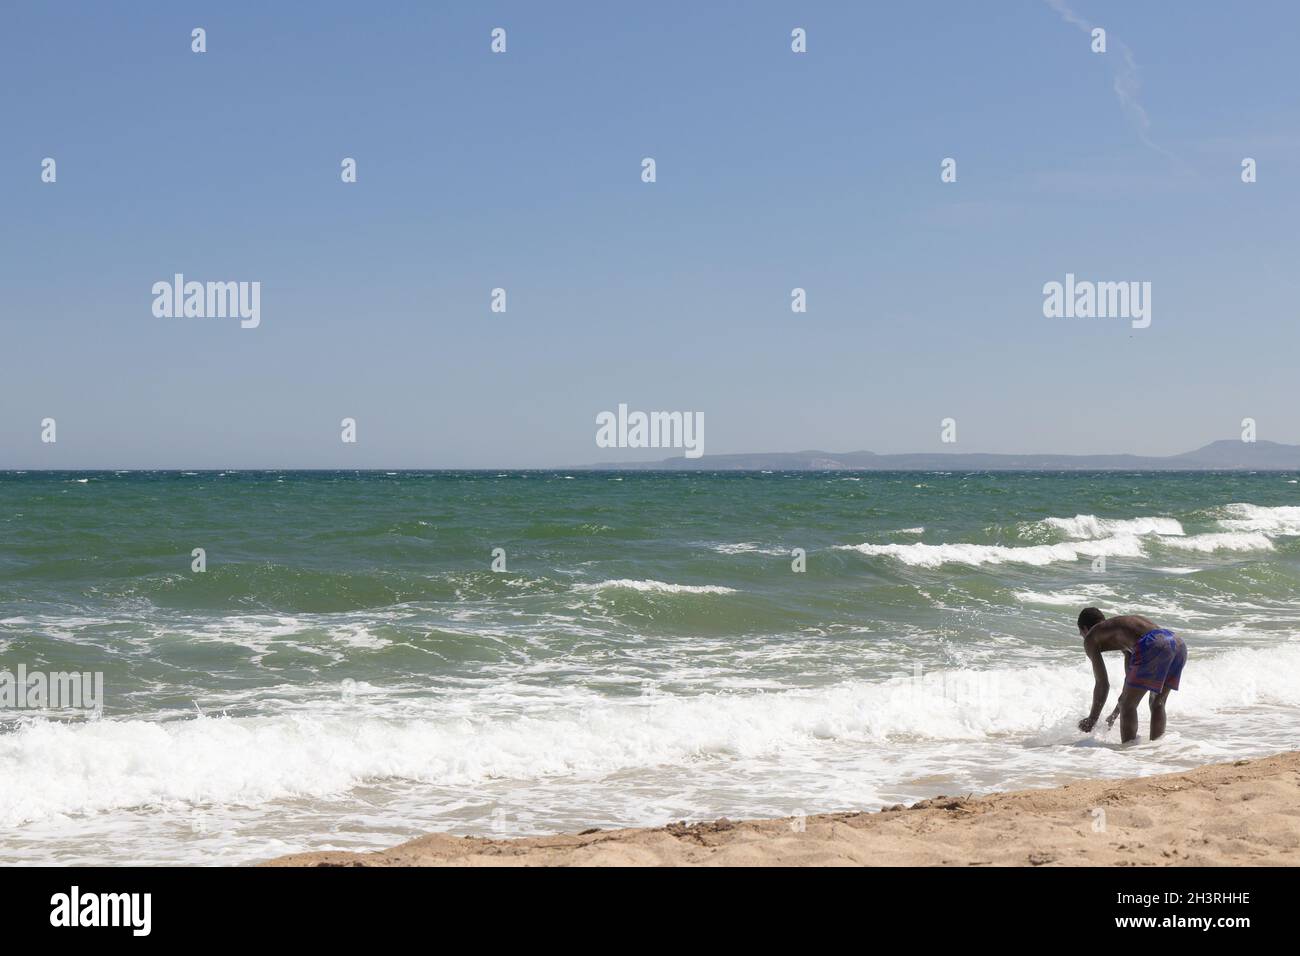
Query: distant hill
[
  {"x": 1255, "y": 456},
  {"x": 1224, "y": 455}
]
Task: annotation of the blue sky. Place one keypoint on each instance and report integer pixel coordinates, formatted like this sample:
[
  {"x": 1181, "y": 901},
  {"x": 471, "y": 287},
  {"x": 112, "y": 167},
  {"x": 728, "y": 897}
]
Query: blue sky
[{"x": 522, "y": 170}]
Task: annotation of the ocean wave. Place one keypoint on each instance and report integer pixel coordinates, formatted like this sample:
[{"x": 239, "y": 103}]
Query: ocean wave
[
  {"x": 937, "y": 555},
  {"x": 1080, "y": 599},
  {"x": 1284, "y": 520},
  {"x": 661, "y": 587},
  {"x": 1222, "y": 541},
  {"x": 746, "y": 547},
  {"x": 1090, "y": 526},
  {"x": 1091, "y": 543},
  {"x": 110, "y": 764}
]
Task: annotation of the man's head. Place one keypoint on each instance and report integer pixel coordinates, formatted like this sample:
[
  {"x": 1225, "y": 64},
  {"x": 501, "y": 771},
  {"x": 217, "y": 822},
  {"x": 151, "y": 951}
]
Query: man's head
[{"x": 1089, "y": 618}]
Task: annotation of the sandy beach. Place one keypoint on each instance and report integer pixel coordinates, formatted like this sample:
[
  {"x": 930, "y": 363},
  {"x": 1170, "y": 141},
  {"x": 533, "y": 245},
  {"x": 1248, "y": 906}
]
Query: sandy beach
[{"x": 1241, "y": 813}]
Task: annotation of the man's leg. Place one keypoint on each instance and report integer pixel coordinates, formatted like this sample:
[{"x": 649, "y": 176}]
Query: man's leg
[
  {"x": 1128, "y": 712},
  {"x": 1158, "y": 713}
]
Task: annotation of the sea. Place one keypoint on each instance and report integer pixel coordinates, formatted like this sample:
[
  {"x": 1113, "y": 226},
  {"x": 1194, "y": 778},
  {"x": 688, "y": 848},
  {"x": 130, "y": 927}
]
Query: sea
[{"x": 320, "y": 660}]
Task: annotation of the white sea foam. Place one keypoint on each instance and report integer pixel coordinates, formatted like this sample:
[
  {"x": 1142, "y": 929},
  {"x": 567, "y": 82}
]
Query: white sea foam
[
  {"x": 108, "y": 764},
  {"x": 1284, "y": 520},
  {"x": 746, "y": 547},
  {"x": 1090, "y": 526},
  {"x": 1214, "y": 541},
  {"x": 656, "y": 586},
  {"x": 1080, "y": 598},
  {"x": 1104, "y": 596},
  {"x": 937, "y": 555},
  {"x": 1163, "y": 609},
  {"x": 1096, "y": 537}
]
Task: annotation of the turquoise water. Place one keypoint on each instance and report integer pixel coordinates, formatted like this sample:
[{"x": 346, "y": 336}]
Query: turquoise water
[{"x": 350, "y": 671}]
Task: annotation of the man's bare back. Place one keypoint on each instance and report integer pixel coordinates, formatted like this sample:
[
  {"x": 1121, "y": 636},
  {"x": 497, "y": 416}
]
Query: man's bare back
[
  {"x": 1121, "y": 633},
  {"x": 1153, "y": 662}
]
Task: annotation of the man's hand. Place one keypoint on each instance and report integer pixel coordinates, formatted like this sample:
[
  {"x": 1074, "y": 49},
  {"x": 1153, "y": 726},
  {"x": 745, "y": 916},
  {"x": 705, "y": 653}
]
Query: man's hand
[
  {"x": 1113, "y": 714},
  {"x": 1087, "y": 724}
]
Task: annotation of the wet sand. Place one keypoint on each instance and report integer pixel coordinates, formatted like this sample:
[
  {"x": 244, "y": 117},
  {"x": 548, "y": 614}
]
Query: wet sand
[{"x": 1241, "y": 813}]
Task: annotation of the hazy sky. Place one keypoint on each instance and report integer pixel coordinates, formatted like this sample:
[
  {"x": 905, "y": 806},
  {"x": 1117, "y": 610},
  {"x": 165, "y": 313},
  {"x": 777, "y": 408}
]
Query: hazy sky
[{"x": 522, "y": 170}]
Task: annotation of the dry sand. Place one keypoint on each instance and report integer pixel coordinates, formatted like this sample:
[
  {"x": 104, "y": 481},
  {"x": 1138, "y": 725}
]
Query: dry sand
[{"x": 1247, "y": 812}]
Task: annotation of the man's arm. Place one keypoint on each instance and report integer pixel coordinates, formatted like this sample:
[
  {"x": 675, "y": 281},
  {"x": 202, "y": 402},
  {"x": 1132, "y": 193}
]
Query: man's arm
[
  {"x": 1128, "y": 659},
  {"x": 1101, "y": 687}
]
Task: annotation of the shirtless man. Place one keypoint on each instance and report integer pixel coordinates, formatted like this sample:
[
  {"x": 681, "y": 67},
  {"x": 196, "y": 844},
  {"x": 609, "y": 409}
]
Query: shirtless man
[{"x": 1153, "y": 662}]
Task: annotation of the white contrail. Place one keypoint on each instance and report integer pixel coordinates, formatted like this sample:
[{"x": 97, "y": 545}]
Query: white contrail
[{"x": 1126, "y": 82}]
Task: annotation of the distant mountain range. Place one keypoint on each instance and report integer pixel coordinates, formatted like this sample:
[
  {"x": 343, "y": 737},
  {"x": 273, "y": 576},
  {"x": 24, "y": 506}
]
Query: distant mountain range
[{"x": 1217, "y": 456}]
